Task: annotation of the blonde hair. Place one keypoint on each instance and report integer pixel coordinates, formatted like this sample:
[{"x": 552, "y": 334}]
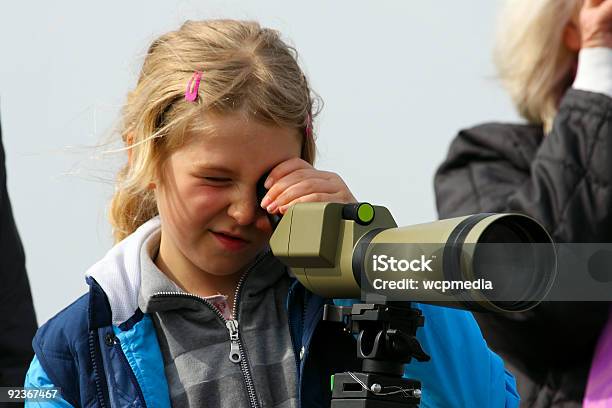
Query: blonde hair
[
  {"x": 532, "y": 60},
  {"x": 245, "y": 68}
]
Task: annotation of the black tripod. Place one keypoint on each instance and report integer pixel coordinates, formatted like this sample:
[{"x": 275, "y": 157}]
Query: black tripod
[{"x": 386, "y": 342}]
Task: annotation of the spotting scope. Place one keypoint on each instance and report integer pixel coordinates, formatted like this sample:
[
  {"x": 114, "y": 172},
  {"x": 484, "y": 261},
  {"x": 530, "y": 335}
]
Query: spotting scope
[{"x": 481, "y": 262}]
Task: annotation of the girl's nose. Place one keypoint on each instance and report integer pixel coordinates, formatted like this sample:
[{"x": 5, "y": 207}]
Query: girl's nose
[{"x": 244, "y": 208}]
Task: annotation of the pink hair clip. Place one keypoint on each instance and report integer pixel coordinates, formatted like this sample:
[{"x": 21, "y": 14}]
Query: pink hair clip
[
  {"x": 191, "y": 94},
  {"x": 309, "y": 126}
]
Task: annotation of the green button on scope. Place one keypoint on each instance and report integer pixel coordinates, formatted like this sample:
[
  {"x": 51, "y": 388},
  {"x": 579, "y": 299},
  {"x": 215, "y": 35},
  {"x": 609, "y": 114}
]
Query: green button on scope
[
  {"x": 361, "y": 213},
  {"x": 365, "y": 212}
]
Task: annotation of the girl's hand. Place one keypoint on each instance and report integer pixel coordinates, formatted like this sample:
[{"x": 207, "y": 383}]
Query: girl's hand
[
  {"x": 295, "y": 181},
  {"x": 596, "y": 24}
]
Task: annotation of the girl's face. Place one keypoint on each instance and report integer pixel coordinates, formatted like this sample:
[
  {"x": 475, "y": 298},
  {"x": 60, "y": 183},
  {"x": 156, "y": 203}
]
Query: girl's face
[{"x": 211, "y": 221}]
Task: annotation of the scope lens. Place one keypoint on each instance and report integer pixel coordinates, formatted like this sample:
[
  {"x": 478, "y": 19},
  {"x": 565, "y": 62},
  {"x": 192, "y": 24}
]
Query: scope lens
[{"x": 516, "y": 255}]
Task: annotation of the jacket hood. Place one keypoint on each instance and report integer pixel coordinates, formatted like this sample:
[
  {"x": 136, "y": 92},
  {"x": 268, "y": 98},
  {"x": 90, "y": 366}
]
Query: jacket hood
[{"x": 118, "y": 273}]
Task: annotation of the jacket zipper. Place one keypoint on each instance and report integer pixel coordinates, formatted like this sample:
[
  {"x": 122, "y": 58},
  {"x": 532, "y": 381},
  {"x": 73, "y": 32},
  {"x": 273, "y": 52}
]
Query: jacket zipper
[
  {"x": 236, "y": 354},
  {"x": 94, "y": 362},
  {"x": 237, "y": 341},
  {"x": 122, "y": 356}
]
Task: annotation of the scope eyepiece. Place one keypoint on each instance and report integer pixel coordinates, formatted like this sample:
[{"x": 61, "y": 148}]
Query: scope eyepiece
[{"x": 261, "y": 192}]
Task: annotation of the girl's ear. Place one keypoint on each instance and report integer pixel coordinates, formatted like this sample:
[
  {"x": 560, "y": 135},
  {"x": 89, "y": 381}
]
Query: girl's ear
[{"x": 571, "y": 36}]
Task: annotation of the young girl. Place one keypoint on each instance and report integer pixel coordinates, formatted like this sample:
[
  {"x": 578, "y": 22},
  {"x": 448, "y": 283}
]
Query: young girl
[{"x": 190, "y": 308}]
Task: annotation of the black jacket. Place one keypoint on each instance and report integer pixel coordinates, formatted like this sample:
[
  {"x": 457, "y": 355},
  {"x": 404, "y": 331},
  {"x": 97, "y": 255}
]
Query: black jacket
[
  {"x": 564, "y": 181},
  {"x": 17, "y": 319}
]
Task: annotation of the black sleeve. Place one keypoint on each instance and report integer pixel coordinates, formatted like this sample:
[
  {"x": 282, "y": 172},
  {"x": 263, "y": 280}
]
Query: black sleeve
[
  {"x": 566, "y": 186},
  {"x": 17, "y": 318},
  {"x": 562, "y": 180}
]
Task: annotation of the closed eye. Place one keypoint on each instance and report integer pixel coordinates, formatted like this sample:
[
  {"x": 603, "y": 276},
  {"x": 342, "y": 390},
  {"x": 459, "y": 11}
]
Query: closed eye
[
  {"x": 217, "y": 179},
  {"x": 213, "y": 181}
]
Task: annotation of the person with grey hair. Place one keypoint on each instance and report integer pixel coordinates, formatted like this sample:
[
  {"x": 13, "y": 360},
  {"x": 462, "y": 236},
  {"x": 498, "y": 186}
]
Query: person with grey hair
[{"x": 555, "y": 59}]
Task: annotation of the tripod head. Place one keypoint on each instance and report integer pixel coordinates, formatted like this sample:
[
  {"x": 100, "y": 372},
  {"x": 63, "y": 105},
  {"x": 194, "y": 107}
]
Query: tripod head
[{"x": 386, "y": 341}]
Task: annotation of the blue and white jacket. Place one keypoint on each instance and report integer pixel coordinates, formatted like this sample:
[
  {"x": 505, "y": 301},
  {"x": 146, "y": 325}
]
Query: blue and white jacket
[{"x": 102, "y": 351}]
